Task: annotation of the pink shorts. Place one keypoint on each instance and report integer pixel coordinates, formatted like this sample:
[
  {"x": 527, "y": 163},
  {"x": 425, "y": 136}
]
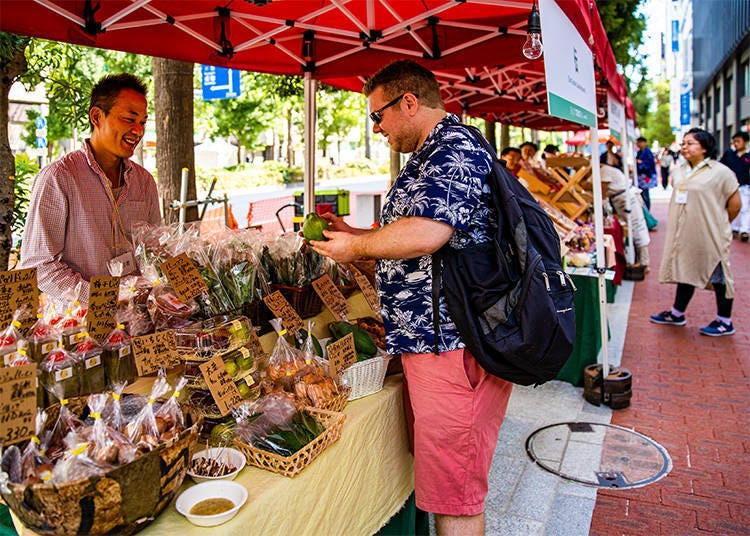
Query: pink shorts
[{"x": 454, "y": 411}]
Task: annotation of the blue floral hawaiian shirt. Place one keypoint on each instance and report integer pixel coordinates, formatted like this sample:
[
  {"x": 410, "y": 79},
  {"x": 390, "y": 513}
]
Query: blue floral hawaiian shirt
[{"x": 443, "y": 180}]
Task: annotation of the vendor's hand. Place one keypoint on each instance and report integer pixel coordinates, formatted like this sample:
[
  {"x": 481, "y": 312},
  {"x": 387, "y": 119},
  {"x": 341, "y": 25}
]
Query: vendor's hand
[
  {"x": 336, "y": 224},
  {"x": 339, "y": 246}
]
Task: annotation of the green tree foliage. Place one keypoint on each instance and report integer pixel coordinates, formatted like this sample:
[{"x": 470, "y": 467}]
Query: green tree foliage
[
  {"x": 339, "y": 112},
  {"x": 658, "y": 127}
]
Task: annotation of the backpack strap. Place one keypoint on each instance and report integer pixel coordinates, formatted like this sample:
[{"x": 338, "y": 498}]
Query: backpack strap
[{"x": 437, "y": 261}]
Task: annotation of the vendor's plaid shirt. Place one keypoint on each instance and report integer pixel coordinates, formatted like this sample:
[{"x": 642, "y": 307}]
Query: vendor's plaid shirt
[{"x": 68, "y": 233}]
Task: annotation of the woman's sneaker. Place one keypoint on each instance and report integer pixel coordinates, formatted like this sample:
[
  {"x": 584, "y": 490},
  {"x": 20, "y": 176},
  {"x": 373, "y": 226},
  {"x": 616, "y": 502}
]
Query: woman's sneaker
[
  {"x": 717, "y": 328},
  {"x": 666, "y": 317}
]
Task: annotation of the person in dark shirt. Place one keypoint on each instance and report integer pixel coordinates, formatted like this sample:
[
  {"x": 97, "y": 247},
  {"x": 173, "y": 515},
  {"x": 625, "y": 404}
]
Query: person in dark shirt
[
  {"x": 610, "y": 157},
  {"x": 738, "y": 160},
  {"x": 646, "y": 170}
]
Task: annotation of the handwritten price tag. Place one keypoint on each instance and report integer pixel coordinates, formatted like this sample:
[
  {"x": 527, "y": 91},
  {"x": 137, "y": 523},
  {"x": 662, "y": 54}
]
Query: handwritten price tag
[
  {"x": 342, "y": 354},
  {"x": 331, "y": 296},
  {"x": 253, "y": 342},
  {"x": 282, "y": 309},
  {"x": 18, "y": 288},
  {"x": 103, "y": 293},
  {"x": 370, "y": 294},
  {"x": 223, "y": 389},
  {"x": 184, "y": 277},
  {"x": 17, "y": 403},
  {"x": 155, "y": 351}
]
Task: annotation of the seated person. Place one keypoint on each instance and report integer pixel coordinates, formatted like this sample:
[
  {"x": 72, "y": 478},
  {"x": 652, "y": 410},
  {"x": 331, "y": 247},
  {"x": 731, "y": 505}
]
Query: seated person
[
  {"x": 550, "y": 151},
  {"x": 610, "y": 157},
  {"x": 512, "y": 157},
  {"x": 532, "y": 166}
]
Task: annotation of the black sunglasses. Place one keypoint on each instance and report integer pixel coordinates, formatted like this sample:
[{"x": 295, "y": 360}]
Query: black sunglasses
[{"x": 377, "y": 115}]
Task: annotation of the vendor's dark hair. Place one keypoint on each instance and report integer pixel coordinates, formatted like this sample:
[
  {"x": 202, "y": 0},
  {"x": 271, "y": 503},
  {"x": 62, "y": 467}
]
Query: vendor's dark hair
[
  {"x": 406, "y": 76},
  {"x": 510, "y": 150},
  {"x": 551, "y": 149},
  {"x": 107, "y": 89},
  {"x": 641, "y": 138},
  {"x": 707, "y": 141},
  {"x": 744, "y": 135},
  {"x": 530, "y": 144}
]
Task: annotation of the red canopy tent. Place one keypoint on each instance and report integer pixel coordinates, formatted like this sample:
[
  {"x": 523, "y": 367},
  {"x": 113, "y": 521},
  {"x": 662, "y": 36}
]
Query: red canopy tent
[{"x": 474, "y": 46}]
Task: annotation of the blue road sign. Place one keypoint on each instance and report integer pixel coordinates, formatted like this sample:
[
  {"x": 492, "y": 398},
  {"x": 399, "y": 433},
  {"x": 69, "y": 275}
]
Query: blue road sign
[
  {"x": 40, "y": 122},
  {"x": 219, "y": 82},
  {"x": 41, "y": 143},
  {"x": 685, "y": 108}
]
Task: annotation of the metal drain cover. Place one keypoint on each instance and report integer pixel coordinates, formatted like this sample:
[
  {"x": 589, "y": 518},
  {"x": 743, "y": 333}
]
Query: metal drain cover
[{"x": 599, "y": 455}]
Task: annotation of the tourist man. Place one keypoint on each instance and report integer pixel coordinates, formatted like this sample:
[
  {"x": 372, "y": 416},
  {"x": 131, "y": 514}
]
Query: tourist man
[
  {"x": 738, "y": 160},
  {"x": 439, "y": 197}
]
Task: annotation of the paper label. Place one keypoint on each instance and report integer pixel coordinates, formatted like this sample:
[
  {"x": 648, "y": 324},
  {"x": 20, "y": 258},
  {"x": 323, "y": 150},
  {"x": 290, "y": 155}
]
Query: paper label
[
  {"x": 124, "y": 351},
  {"x": 680, "y": 197},
  {"x": 73, "y": 338},
  {"x": 370, "y": 294},
  {"x": 184, "y": 277},
  {"x": 342, "y": 354},
  {"x": 155, "y": 351},
  {"x": 18, "y": 288},
  {"x": 280, "y": 307},
  {"x": 63, "y": 374},
  {"x": 17, "y": 403},
  {"x": 47, "y": 347},
  {"x": 103, "y": 294},
  {"x": 220, "y": 384},
  {"x": 8, "y": 358},
  {"x": 93, "y": 361},
  {"x": 331, "y": 296}
]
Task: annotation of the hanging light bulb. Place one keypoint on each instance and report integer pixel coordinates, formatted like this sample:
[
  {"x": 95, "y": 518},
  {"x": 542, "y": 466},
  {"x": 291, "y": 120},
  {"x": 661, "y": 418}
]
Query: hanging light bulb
[{"x": 532, "y": 48}]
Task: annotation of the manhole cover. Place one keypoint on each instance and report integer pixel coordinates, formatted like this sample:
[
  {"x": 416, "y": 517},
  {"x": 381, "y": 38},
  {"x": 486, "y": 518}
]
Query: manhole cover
[{"x": 599, "y": 455}]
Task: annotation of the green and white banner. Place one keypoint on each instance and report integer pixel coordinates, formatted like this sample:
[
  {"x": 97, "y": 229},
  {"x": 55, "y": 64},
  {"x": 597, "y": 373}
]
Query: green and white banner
[
  {"x": 616, "y": 117},
  {"x": 568, "y": 66}
]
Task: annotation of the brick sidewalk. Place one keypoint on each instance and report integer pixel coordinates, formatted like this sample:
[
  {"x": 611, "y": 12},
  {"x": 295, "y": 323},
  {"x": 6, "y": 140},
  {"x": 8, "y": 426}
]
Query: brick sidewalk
[{"x": 691, "y": 395}]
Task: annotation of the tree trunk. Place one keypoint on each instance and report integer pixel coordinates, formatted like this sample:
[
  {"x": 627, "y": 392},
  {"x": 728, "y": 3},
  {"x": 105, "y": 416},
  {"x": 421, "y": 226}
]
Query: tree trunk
[
  {"x": 289, "y": 144},
  {"x": 504, "y": 137},
  {"x": 173, "y": 90},
  {"x": 489, "y": 133},
  {"x": 8, "y": 73}
]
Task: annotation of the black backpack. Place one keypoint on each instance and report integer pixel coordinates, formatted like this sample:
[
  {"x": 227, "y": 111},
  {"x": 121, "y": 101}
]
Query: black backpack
[{"x": 510, "y": 298}]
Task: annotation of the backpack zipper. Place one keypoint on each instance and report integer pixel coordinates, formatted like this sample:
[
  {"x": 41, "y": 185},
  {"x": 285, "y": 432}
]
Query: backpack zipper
[
  {"x": 562, "y": 278},
  {"x": 571, "y": 282},
  {"x": 546, "y": 280}
]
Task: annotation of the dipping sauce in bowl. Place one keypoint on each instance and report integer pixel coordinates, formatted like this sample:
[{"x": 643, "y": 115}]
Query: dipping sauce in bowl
[{"x": 210, "y": 507}]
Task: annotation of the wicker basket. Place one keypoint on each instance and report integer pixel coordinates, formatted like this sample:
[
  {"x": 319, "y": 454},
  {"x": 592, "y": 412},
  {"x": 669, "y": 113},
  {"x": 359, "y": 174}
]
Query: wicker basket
[
  {"x": 292, "y": 465},
  {"x": 338, "y": 402},
  {"x": 304, "y": 300},
  {"x": 121, "y": 501},
  {"x": 366, "y": 377}
]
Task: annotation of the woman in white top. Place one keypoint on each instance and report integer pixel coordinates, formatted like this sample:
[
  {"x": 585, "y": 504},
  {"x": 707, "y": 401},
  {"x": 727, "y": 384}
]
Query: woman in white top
[{"x": 704, "y": 201}]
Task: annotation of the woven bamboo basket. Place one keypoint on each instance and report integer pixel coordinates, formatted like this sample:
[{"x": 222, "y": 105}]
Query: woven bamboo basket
[
  {"x": 366, "y": 377},
  {"x": 292, "y": 465},
  {"x": 338, "y": 402},
  {"x": 121, "y": 501}
]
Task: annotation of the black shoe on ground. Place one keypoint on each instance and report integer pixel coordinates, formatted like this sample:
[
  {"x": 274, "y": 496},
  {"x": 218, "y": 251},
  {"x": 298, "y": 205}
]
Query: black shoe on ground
[
  {"x": 744, "y": 237},
  {"x": 735, "y": 234}
]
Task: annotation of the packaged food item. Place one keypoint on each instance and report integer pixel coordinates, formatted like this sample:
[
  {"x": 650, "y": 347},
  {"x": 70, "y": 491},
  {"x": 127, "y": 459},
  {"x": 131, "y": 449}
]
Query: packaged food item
[
  {"x": 143, "y": 430},
  {"x": 313, "y": 384},
  {"x": 204, "y": 339},
  {"x": 166, "y": 310},
  {"x": 170, "y": 420},
  {"x": 42, "y": 338},
  {"x": 20, "y": 359},
  {"x": 66, "y": 422},
  {"x": 283, "y": 364},
  {"x": 119, "y": 363},
  {"x": 60, "y": 368},
  {"x": 35, "y": 466},
  {"x": 70, "y": 326},
  {"x": 132, "y": 305},
  {"x": 10, "y": 338},
  {"x": 89, "y": 353}
]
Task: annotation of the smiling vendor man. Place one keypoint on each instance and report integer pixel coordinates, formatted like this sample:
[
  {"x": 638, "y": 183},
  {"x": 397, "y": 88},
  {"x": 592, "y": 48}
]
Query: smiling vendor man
[{"x": 83, "y": 206}]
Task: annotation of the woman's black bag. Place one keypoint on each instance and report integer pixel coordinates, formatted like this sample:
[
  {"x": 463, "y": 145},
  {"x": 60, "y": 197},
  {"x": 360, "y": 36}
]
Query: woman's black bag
[{"x": 510, "y": 298}]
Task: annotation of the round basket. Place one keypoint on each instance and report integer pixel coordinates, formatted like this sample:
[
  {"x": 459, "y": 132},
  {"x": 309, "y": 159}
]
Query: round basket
[
  {"x": 366, "y": 377},
  {"x": 121, "y": 501}
]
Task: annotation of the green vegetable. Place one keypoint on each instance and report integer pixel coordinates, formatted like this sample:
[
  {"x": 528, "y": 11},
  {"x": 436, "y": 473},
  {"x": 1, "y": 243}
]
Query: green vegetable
[
  {"x": 362, "y": 340},
  {"x": 313, "y": 227}
]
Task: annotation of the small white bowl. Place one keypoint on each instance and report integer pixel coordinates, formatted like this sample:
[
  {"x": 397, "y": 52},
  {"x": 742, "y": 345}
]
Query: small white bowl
[
  {"x": 233, "y": 456},
  {"x": 211, "y": 490}
]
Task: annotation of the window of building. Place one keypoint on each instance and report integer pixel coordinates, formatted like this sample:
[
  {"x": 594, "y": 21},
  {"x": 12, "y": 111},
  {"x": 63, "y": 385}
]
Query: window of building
[
  {"x": 717, "y": 99},
  {"x": 728, "y": 87},
  {"x": 744, "y": 79},
  {"x": 708, "y": 107}
]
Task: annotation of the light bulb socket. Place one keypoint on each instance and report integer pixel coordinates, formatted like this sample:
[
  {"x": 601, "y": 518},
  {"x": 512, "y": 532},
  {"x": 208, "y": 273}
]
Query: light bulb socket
[{"x": 534, "y": 24}]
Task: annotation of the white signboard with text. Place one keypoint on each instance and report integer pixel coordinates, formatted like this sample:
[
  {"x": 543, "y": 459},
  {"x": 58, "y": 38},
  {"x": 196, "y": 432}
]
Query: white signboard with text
[
  {"x": 568, "y": 66},
  {"x": 616, "y": 117}
]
